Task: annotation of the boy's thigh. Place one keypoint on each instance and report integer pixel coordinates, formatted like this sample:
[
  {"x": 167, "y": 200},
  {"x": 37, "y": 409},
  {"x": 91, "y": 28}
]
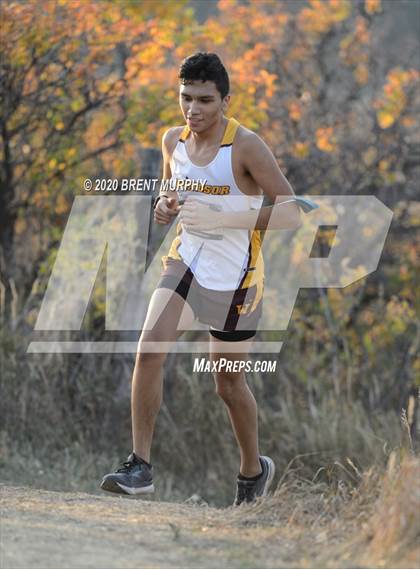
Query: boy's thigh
[{"x": 168, "y": 315}]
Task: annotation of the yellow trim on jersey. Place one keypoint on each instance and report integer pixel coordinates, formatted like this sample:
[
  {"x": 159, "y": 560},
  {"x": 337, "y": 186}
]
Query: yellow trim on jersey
[
  {"x": 255, "y": 262},
  {"x": 173, "y": 251},
  {"x": 184, "y": 134},
  {"x": 231, "y": 128},
  {"x": 230, "y": 132},
  {"x": 258, "y": 296}
]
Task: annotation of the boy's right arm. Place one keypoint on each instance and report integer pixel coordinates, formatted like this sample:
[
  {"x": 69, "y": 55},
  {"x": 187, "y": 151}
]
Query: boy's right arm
[{"x": 167, "y": 206}]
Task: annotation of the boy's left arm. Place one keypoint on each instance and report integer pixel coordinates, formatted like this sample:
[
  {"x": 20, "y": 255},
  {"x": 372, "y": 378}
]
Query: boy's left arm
[{"x": 259, "y": 162}]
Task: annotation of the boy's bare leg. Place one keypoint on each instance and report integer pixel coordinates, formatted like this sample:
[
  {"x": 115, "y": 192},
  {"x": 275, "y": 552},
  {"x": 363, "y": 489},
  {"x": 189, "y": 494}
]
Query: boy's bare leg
[
  {"x": 147, "y": 383},
  {"x": 232, "y": 387}
]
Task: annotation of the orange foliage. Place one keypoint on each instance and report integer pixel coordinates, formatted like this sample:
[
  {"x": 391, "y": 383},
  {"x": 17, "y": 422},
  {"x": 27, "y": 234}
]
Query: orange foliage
[
  {"x": 156, "y": 36},
  {"x": 322, "y": 15},
  {"x": 393, "y": 101},
  {"x": 301, "y": 149},
  {"x": 325, "y": 139},
  {"x": 373, "y": 6},
  {"x": 354, "y": 50},
  {"x": 295, "y": 110}
]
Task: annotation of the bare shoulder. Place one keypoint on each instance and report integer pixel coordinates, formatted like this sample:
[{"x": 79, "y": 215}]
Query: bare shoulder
[
  {"x": 247, "y": 140},
  {"x": 251, "y": 150},
  {"x": 170, "y": 138}
]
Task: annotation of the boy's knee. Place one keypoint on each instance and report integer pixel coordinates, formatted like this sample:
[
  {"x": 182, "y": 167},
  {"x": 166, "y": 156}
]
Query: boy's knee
[{"x": 228, "y": 386}]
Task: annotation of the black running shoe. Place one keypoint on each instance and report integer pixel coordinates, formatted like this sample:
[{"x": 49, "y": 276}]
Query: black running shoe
[
  {"x": 134, "y": 477},
  {"x": 248, "y": 490}
]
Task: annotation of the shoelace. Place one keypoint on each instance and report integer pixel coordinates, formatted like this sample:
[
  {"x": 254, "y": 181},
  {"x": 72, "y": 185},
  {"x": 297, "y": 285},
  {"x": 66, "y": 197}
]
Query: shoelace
[{"x": 127, "y": 466}]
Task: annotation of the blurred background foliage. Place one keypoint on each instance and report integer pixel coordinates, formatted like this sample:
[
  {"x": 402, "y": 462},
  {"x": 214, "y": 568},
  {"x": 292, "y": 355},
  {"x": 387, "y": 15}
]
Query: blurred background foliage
[{"x": 87, "y": 89}]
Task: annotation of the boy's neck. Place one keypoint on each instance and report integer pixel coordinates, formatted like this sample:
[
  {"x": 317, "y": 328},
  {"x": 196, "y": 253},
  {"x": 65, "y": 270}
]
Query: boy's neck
[{"x": 213, "y": 134}]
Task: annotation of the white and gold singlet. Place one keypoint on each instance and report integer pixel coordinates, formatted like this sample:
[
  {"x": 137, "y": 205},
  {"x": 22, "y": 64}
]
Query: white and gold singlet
[{"x": 221, "y": 259}]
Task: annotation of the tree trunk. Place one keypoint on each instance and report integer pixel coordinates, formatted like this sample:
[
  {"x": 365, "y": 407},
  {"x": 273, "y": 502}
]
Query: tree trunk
[{"x": 7, "y": 231}]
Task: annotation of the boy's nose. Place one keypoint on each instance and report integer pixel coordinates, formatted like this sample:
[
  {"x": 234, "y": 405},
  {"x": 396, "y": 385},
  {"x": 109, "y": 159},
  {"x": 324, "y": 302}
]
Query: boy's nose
[{"x": 194, "y": 108}]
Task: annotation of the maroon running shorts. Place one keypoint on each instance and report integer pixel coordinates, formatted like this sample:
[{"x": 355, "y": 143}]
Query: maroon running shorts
[{"x": 231, "y": 314}]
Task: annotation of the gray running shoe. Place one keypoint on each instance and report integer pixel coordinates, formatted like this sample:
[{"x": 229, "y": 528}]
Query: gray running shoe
[
  {"x": 135, "y": 476},
  {"x": 248, "y": 490}
]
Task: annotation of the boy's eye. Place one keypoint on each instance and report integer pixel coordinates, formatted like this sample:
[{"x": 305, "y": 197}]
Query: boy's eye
[{"x": 188, "y": 98}]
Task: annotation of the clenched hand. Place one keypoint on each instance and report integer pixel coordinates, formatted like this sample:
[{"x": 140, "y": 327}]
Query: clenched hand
[
  {"x": 200, "y": 216},
  {"x": 166, "y": 209}
]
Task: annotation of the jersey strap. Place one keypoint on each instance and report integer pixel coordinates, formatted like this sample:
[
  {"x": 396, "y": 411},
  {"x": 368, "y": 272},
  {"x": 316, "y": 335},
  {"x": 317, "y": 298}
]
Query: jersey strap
[
  {"x": 228, "y": 137},
  {"x": 184, "y": 134},
  {"x": 230, "y": 132}
]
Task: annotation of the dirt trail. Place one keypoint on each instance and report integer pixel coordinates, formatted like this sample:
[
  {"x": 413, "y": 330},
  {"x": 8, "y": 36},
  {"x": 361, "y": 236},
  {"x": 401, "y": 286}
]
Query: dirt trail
[
  {"x": 53, "y": 530},
  {"x": 57, "y": 530}
]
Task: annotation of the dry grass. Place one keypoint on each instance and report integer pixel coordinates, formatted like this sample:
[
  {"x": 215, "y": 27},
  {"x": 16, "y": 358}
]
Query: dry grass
[
  {"x": 371, "y": 525},
  {"x": 69, "y": 416},
  {"x": 394, "y": 529},
  {"x": 374, "y": 524},
  {"x": 342, "y": 494}
]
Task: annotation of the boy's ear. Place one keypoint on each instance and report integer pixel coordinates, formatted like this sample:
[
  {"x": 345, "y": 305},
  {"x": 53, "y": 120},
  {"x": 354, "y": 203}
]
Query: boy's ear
[{"x": 225, "y": 103}]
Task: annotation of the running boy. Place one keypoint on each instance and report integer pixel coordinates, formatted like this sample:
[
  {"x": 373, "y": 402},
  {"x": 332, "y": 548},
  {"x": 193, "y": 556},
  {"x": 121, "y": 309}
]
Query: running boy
[{"x": 214, "y": 268}]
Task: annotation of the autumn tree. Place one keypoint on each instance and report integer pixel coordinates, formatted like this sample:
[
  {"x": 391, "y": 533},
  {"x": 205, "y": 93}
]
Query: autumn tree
[
  {"x": 86, "y": 86},
  {"x": 68, "y": 112}
]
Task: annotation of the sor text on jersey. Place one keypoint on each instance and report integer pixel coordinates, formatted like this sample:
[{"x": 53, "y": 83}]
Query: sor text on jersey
[{"x": 194, "y": 186}]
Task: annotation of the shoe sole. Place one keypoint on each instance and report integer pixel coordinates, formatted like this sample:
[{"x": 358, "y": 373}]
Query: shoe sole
[
  {"x": 117, "y": 488},
  {"x": 271, "y": 473}
]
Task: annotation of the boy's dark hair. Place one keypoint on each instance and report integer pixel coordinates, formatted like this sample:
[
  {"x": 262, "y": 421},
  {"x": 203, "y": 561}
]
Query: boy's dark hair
[{"x": 205, "y": 66}]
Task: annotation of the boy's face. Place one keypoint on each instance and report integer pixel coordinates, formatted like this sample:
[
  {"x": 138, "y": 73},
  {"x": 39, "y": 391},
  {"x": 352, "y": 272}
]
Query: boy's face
[{"x": 201, "y": 104}]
